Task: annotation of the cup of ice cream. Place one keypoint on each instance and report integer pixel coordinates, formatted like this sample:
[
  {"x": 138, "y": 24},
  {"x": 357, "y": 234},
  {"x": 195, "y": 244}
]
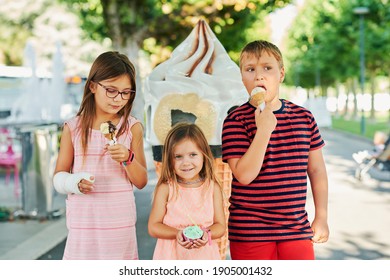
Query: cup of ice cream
[{"x": 192, "y": 233}]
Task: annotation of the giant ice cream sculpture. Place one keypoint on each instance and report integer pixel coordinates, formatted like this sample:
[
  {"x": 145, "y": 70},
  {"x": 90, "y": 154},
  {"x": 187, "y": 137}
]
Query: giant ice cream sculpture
[{"x": 198, "y": 84}]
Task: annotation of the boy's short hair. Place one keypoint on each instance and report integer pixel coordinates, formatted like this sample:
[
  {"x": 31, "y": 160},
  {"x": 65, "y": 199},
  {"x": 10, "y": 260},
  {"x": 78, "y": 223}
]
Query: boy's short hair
[{"x": 256, "y": 48}]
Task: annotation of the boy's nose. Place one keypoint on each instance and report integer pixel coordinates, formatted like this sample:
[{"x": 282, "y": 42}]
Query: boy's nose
[{"x": 259, "y": 75}]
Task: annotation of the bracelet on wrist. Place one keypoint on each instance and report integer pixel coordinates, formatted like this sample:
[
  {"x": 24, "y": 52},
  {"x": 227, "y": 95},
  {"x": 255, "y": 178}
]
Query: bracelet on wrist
[
  {"x": 208, "y": 231},
  {"x": 129, "y": 160}
]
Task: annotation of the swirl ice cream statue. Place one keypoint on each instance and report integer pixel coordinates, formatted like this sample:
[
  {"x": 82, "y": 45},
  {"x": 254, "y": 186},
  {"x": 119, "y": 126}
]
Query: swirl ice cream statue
[{"x": 198, "y": 84}]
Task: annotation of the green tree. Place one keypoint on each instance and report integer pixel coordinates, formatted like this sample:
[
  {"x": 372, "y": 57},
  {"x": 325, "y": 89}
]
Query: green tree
[
  {"x": 16, "y": 25},
  {"x": 43, "y": 23},
  {"x": 325, "y": 39},
  {"x": 159, "y": 26},
  {"x": 155, "y": 25}
]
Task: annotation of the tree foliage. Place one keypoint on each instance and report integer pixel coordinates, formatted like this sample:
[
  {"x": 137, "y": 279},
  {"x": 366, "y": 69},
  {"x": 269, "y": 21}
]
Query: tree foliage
[
  {"x": 16, "y": 25},
  {"x": 156, "y": 25},
  {"x": 43, "y": 24},
  {"x": 324, "y": 40}
]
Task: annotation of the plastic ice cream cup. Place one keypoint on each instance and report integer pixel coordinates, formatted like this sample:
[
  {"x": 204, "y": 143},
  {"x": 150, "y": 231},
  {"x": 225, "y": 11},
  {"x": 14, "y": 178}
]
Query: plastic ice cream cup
[{"x": 192, "y": 233}]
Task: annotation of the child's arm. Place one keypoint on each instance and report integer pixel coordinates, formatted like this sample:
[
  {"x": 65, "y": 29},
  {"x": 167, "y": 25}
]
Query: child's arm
[
  {"x": 65, "y": 154},
  {"x": 156, "y": 227},
  {"x": 246, "y": 168},
  {"x": 63, "y": 181},
  {"x": 319, "y": 185},
  {"x": 136, "y": 170}
]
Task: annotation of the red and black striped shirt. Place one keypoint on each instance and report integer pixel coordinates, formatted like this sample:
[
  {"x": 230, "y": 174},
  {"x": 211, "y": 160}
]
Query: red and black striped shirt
[{"x": 272, "y": 207}]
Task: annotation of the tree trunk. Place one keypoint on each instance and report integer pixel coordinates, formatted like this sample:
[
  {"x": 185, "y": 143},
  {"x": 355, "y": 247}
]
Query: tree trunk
[
  {"x": 337, "y": 88},
  {"x": 127, "y": 39},
  {"x": 111, "y": 16},
  {"x": 373, "y": 86},
  {"x": 132, "y": 50},
  {"x": 349, "y": 88},
  {"x": 324, "y": 90},
  {"x": 355, "y": 105}
]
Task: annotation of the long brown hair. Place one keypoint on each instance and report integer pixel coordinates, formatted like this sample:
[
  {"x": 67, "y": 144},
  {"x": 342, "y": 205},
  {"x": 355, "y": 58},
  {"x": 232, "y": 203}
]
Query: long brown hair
[
  {"x": 108, "y": 65},
  {"x": 186, "y": 131}
]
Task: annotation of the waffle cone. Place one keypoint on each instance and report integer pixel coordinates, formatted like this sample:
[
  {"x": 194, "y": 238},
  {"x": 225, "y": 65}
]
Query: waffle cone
[{"x": 257, "y": 98}]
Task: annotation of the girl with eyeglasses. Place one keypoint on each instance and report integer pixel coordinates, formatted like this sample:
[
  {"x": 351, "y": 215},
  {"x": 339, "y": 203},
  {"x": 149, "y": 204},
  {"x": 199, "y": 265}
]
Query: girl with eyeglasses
[{"x": 99, "y": 176}]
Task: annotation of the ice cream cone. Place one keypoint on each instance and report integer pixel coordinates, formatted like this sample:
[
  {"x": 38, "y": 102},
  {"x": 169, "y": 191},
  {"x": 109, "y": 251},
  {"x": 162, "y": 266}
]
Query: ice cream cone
[
  {"x": 108, "y": 129},
  {"x": 257, "y": 97}
]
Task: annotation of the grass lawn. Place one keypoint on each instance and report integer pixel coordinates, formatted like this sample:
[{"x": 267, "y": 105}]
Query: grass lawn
[{"x": 354, "y": 125}]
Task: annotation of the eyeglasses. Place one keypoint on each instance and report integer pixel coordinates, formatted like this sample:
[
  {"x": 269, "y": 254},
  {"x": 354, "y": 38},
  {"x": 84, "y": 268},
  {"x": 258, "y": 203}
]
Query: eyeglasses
[{"x": 112, "y": 93}]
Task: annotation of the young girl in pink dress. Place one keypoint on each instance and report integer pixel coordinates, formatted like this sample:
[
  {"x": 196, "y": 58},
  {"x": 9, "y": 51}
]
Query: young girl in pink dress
[
  {"x": 187, "y": 194},
  {"x": 99, "y": 171}
]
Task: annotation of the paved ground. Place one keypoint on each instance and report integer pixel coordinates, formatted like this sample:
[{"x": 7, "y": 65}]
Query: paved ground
[
  {"x": 358, "y": 210},
  {"x": 358, "y": 213}
]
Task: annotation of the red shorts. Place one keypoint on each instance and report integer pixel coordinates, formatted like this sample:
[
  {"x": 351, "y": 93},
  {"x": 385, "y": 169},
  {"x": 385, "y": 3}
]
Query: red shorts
[{"x": 281, "y": 250}]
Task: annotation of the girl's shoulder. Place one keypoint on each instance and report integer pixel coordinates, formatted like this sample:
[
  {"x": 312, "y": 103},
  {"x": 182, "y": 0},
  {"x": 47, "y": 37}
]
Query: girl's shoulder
[
  {"x": 132, "y": 121},
  {"x": 73, "y": 122},
  {"x": 163, "y": 186},
  {"x": 162, "y": 190},
  {"x": 130, "y": 124}
]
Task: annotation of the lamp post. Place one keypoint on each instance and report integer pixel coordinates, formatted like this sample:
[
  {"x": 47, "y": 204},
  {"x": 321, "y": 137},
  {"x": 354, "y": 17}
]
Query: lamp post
[{"x": 361, "y": 11}]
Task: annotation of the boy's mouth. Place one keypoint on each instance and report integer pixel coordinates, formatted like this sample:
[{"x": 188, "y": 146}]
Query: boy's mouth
[
  {"x": 258, "y": 89},
  {"x": 261, "y": 86}
]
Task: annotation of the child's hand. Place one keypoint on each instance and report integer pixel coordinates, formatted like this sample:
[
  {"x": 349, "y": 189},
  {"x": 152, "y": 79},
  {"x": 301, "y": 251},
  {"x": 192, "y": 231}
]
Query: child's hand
[
  {"x": 180, "y": 239},
  {"x": 86, "y": 186},
  {"x": 265, "y": 119},
  {"x": 118, "y": 152},
  {"x": 200, "y": 242},
  {"x": 320, "y": 230}
]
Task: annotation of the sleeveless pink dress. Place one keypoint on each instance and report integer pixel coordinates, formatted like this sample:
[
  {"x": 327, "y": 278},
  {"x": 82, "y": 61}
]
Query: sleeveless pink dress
[
  {"x": 184, "y": 208},
  {"x": 101, "y": 224}
]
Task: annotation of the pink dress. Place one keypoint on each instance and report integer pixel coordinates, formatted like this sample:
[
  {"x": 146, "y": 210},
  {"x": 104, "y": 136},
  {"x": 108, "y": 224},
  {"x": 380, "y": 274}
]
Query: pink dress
[
  {"x": 184, "y": 208},
  {"x": 101, "y": 224}
]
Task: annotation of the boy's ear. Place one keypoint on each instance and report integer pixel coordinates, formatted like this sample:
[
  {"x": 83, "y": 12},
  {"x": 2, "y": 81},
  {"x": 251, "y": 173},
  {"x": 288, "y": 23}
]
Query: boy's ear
[{"x": 282, "y": 74}]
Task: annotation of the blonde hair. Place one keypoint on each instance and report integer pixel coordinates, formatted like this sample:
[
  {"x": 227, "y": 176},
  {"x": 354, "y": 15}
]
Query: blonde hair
[
  {"x": 106, "y": 66},
  {"x": 256, "y": 48},
  {"x": 186, "y": 131}
]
